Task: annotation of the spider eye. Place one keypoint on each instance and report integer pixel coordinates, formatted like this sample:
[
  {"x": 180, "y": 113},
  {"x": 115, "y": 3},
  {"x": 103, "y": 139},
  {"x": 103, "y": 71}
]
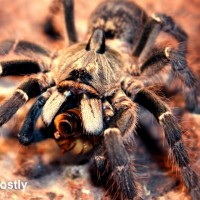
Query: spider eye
[{"x": 110, "y": 34}]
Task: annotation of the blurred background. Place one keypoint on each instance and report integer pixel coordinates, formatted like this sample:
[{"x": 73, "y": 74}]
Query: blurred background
[{"x": 51, "y": 175}]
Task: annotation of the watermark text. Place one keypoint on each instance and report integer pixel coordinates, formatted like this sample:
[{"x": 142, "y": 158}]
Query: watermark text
[{"x": 13, "y": 185}]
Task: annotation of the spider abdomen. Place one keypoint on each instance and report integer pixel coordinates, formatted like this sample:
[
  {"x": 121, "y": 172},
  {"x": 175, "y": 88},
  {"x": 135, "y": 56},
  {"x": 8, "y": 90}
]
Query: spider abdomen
[{"x": 122, "y": 20}]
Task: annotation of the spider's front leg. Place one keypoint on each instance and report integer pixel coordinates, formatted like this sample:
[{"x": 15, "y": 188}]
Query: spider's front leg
[
  {"x": 26, "y": 136},
  {"x": 46, "y": 105},
  {"x": 120, "y": 128},
  {"x": 173, "y": 135},
  {"x": 29, "y": 88}
]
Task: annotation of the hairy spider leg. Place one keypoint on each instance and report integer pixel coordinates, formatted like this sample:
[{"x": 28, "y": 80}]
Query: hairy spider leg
[
  {"x": 111, "y": 158},
  {"x": 99, "y": 160},
  {"x": 49, "y": 28},
  {"x": 177, "y": 58},
  {"x": 18, "y": 67},
  {"x": 173, "y": 134},
  {"x": 26, "y": 133},
  {"x": 38, "y": 58},
  {"x": 178, "y": 63},
  {"x": 157, "y": 23},
  {"x": 121, "y": 166},
  {"x": 22, "y": 47},
  {"x": 68, "y": 11},
  {"x": 29, "y": 88},
  {"x": 68, "y": 6},
  {"x": 158, "y": 60},
  {"x": 120, "y": 126}
]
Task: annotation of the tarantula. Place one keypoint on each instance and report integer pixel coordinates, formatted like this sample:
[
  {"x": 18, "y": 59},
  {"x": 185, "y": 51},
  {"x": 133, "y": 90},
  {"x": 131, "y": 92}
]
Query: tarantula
[{"x": 89, "y": 92}]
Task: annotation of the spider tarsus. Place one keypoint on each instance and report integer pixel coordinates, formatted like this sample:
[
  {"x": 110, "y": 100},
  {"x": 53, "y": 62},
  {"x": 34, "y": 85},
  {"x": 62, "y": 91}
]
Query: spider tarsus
[
  {"x": 100, "y": 162},
  {"x": 190, "y": 178},
  {"x": 25, "y": 140},
  {"x": 26, "y": 132}
]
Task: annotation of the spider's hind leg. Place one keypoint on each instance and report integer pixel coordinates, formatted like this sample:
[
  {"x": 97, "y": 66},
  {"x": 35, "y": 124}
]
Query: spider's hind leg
[
  {"x": 173, "y": 134},
  {"x": 22, "y": 47},
  {"x": 35, "y": 58},
  {"x": 159, "y": 59},
  {"x": 177, "y": 58},
  {"x": 68, "y": 6},
  {"x": 156, "y": 24}
]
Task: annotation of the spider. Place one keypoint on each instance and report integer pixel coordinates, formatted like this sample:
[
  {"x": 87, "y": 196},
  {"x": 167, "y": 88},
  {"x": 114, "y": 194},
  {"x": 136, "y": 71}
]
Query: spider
[{"x": 92, "y": 95}]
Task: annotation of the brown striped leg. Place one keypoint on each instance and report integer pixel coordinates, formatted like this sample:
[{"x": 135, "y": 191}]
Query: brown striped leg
[
  {"x": 29, "y": 88},
  {"x": 19, "y": 67},
  {"x": 158, "y": 60},
  {"x": 173, "y": 134},
  {"x": 22, "y": 47},
  {"x": 120, "y": 128},
  {"x": 122, "y": 172},
  {"x": 159, "y": 22},
  {"x": 69, "y": 20}
]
